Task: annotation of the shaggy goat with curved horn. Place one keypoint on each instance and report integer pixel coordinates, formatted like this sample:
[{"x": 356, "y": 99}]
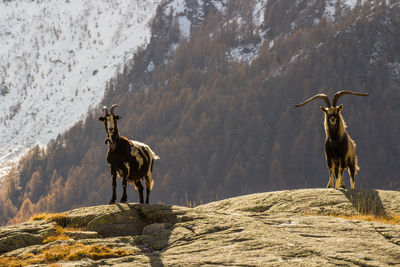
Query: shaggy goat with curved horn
[
  {"x": 340, "y": 149},
  {"x": 131, "y": 160}
]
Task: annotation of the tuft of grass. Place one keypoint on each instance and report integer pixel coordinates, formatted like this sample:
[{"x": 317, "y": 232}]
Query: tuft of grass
[
  {"x": 62, "y": 252},
  {"x": 389, "y": 219},
  {"x": 53, "y": 238},
  {"x": 65, "y": 253},
  {"x": 59, "y": 218},
  {"x": 78, "y": 251},
  {"x": 58, "y": 235},
  {"x": 258, "y": 209},
  {"x": 48, "y": 216}
]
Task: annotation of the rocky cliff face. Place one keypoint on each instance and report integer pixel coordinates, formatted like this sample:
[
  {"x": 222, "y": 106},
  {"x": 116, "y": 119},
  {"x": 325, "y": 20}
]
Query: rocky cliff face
[{"x": 275, "y": 228}]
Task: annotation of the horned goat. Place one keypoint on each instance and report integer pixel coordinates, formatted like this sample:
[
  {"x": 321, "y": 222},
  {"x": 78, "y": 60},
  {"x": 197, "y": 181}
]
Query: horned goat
[
  {"x": 340, "y": 149},
  {"x": 131, "y": 160}
]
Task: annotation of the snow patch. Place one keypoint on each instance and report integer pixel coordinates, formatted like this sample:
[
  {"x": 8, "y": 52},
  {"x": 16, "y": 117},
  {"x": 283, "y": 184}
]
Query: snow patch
[
  {"x": 219, "y": 5},
  {"x": 150, "y": 68},
  {"x": 184, "y": 26},
  {"x": 258, "y": 12},
  {"x": 330, "y": 7},
  {"x": 55, "y": 60},
  {"x": 179, "y": 6},
  {"x": 244, "y": 53}
]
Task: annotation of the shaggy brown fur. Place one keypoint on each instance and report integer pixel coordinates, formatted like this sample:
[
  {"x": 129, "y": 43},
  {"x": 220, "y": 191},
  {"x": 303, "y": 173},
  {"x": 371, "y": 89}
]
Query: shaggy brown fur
[
  {"x": 340, "y": 149},
  {"x": 130, "y": 160}
]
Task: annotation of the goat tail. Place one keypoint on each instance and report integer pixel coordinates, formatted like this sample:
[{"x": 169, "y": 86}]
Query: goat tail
[{"x": 151, "y": 152}]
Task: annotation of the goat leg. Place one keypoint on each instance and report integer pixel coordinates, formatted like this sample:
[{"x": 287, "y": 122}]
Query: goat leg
[
  {"x": 340, "y": 180},
  {"x": 331, "y": 171},
  {"x": 139, "y": 187},
  {"x": 147, "y": 195},
  {"x": 124, "y": 196},
  {"x": 149, "y": 182},
  {"x": 331, "y": 178},
  {"x": 114, "y": 186}
]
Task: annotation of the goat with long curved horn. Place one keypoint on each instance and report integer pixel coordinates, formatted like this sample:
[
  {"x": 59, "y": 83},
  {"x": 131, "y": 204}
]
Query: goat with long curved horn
[
  {"x": 340, "y": 149},
  {"x": 340, "y": 93},
  {"x": 105, "y": 110},
  {"x": 321, "y": 96},
  {"x": 113, "y": 107}
]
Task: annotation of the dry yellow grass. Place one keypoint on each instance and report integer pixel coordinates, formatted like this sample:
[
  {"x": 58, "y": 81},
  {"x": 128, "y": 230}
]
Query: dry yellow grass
[
  {"x": 58, "y": 252},
  {"x": 58, "y": 235},
  {"x": 53, "y": 217},
  {"x": 72, "y": 252},
  {"x": 393, "y": 219}
]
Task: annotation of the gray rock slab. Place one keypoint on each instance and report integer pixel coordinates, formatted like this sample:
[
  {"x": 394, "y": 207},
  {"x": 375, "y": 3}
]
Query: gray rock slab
[{"x": 283, "y": 228}]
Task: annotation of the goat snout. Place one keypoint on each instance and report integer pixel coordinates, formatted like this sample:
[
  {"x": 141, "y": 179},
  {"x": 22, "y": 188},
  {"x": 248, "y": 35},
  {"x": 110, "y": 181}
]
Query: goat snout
[{"x": 332, "y": 120}]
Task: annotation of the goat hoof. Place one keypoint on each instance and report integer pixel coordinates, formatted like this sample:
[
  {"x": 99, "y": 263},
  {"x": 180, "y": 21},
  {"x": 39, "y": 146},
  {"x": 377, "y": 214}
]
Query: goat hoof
[
  {"x": 123, "y": 200},
  {"x": 112, "y": 201}
]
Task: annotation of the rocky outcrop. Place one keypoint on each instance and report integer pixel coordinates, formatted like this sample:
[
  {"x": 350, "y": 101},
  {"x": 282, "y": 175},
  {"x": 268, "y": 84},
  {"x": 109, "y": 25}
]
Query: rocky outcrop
[{"x": 293, "y": 227}]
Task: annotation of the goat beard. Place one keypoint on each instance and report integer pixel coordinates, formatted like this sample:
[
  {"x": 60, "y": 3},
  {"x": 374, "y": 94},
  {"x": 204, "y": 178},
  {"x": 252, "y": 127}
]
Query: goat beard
[{"x": 110, "y": 143}]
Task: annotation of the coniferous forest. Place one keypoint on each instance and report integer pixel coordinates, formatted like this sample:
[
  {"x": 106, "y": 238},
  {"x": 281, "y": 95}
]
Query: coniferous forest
[{"x": 226, "y": 127}]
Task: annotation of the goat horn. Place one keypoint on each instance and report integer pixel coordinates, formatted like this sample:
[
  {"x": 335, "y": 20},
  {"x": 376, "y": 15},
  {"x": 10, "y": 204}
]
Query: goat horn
[
  {"x": 340, "y": 93},
  {"x": 105, "y": 109},
  {"x": 112, "y": 108},
  {"x": 321, "y": 96}
]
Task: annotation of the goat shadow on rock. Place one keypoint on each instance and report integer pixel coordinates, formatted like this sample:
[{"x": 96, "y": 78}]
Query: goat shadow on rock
[
  {"x": 150, "y": 225},
  {"x": 365, "y": 201}
]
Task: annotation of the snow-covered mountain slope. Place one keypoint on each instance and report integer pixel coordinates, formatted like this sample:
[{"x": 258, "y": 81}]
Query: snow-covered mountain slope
[
  {"x": 302, "y": 13},
  {"x": 56, "y": 56},
  {"x": 55, "y": 59}
]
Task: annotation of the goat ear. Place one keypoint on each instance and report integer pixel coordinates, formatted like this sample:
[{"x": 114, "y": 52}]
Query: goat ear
[
  {"x": 340, "y": 108},
  {"x": 101, "y": 119},
  {"x": 325, "y": 110}
]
